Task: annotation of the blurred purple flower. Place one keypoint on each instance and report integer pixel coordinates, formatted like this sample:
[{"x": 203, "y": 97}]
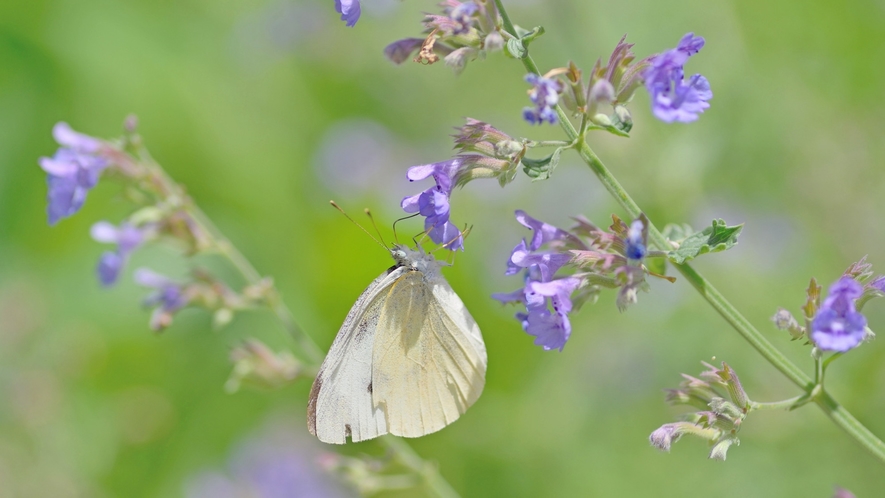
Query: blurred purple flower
[
  {"x": 127, "y": 238},
  {"x": 672, "y": 97},
  {"x": 462, "y": 16},
  {"x": 544, "y": 94},
  {"x": 433, "y": 203},
  {"x": 349, "y": 10},
  {"x": 837, "y": 325},
  {"x": 271, "y": 465},
  {"x": 635, "y": 248},
  {"x": 168, "y": 296},
  {"x": 71, "y": 172}
]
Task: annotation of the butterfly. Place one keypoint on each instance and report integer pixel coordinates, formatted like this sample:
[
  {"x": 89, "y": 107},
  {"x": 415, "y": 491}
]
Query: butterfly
[{"x": 408, "y": 360}]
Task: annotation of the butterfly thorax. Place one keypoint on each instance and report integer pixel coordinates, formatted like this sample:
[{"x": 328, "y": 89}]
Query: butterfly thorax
[{"x": 416, "y": 260}]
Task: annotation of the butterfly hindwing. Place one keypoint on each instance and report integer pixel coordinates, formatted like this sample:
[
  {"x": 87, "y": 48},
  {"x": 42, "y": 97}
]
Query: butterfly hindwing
[{"x": 429, "y": 362}]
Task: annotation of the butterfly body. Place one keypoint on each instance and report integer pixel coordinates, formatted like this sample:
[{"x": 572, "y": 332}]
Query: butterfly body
[{"x": 408, "y": 360}]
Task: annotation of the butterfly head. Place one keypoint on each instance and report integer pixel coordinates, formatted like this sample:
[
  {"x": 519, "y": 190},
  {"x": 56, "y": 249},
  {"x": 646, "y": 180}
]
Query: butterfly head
[{"x": 415, "y": 259}]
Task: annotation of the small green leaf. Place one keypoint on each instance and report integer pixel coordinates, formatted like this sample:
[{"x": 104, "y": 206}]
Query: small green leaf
[
  {"x": 531, "y": 35},
  {"x": 541, "y": 169},
  {"x": 677, "y": 233},
  {"x": 516, "y": 48},
  {"x": 715, "y": 238}
]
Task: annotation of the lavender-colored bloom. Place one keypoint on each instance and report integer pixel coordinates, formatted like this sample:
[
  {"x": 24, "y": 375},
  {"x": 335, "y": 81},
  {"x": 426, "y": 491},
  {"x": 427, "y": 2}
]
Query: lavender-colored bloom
[
  {"x": 544, "y": 94},
  {"x": 547, "y": 299},
  {"x": 878, "y": 283},
  {"x": 400, "y": 50},
  {"x": 674, "y": 98},
  {"x": 349, "y": 10},
  {"x": 433, "y": 203},
  {"x": 127, "y": 238},
  {"x": 634, "y": 244},
  {"x": 462, "y": 16},
  {"x": 71, "y": 172},
  {"x": 837, "y": 325},
  {"x": 168, "y": 296}
]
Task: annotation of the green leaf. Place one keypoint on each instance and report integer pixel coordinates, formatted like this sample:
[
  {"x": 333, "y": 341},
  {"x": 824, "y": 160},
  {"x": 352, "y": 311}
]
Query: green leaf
[
  {"x": 541, "y": 169},
  {"x": 715, "y": 238},
  {"x": 516, "y": 48}
]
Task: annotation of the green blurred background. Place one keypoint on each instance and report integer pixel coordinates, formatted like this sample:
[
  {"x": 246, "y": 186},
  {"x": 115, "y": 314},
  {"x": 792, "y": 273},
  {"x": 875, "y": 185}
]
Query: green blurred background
[{"x": 265, "y": 109}]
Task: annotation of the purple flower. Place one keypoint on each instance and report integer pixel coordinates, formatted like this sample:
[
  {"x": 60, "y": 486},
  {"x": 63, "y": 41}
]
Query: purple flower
[
  {"x": 127, "y": 238},
  {"x": 433, "y": 203},
  {"x": 635, "y": 243},
  {"x": 547, "y": 299},
  {"x": 838, "y": 326},
  {"x": 462, "y": 15},
  {"x": 349, "y": 10},
  {"x": 673, "y": 98},
  {"x": 544, "y": 94},
  {"x": 71, "y": 172},
  {"x": 168, "y": 296}
]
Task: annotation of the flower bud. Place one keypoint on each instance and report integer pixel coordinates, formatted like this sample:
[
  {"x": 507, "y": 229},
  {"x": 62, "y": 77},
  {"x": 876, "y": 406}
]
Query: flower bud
[
  {"x": 493, "y": 42},
  {"x": 721, "y": 447}
]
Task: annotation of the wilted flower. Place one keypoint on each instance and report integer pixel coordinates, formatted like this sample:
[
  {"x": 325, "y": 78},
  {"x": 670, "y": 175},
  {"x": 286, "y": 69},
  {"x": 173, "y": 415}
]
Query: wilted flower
[
  {"x": 168, "y": 297},
  {"x": 433, "y": 203},
  {"x": 127, "y": 237},
  {"x": 545, "y": 95},
  {"x": 349, "y": 10},
  {"x": 672, "y": 97},
  {"x": 71, "y": 172},
  {"x": 837, "y": 325}
]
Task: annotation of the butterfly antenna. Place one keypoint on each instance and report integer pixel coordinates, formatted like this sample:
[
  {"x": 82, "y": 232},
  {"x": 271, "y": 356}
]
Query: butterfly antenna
[
  {"x": 336, "y": 206},
  {"x": 396, "y": 239},
  {"x": 375, "y": 226}
]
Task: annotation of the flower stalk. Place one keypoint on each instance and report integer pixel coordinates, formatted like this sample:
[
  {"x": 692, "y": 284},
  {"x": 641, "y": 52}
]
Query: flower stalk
[{"x": 837, "y": 413}]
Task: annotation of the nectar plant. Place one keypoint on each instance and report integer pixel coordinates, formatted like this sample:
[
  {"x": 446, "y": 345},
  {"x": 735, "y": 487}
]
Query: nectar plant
[{"x": 561, "y": 269}]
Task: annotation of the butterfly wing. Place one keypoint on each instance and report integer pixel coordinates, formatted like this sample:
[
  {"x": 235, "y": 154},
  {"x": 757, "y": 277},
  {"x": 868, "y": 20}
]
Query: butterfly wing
[
  {"x": 429, "y": 361},
  {"x": 340, "y": 402}
]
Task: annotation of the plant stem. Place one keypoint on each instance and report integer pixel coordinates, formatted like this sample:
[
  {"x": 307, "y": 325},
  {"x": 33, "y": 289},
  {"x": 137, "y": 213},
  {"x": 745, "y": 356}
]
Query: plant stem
[
  {"x": 836, "y": 412},
  {"x": 429, "y": 472}
]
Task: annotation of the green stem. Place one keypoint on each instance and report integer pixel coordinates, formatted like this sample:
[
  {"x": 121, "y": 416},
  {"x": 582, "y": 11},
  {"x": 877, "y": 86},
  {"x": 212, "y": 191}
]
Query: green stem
[
  {"x": 774, "y": 405},
  {"x": 435, "y": 482},
  {"x": 836, "y": 412}
]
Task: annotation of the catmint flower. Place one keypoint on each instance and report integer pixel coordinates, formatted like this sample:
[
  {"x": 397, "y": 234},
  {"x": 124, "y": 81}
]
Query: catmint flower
[
  {"x": 487, "y": 153},
  {"x": 462, "y": 16},
  {"x": 127, "y": 238},
  {"x": 72, "y": 172},
  {"x": 837, "y": 325},
  {"x": 635, "y": 248},
  {"x": 547, "y": 299},
  {"x": 349, "y": 10},
  {"x": 544, "y": 94},
  {"x": 673, "y": 98},
  {"x": 168, "y": 297},
  {"x": 433, "y": 203}
]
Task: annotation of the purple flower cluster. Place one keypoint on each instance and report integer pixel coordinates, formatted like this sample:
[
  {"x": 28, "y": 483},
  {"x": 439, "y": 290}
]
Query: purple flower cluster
[
  {"x": 127, "y": 238},
  {"x": 433, "y": 203},
  {"x": 72, "y": 172},
  {"x": 672, "y": 97},
  {"x": 544, "y": 94},
  {"x": 838, "y": 326},
  {"x": 547, "y": 299},
  {"x": 349, "y": 10},
  {"x": 635, "y": 243}
]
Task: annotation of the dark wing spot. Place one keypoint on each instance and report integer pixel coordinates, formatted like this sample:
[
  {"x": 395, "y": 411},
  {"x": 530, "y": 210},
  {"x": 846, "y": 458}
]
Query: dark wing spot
[
  {"x": 370, "y": 388},
  {"x": 347, "y": 430}
]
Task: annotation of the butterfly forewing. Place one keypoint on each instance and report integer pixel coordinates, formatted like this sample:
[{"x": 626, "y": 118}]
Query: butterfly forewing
[{"x": 340, "y": 401}]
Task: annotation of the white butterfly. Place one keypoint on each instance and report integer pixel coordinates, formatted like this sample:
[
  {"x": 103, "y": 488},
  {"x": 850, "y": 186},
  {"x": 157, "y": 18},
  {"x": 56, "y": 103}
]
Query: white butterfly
[{"x": 408, "y": 360}]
